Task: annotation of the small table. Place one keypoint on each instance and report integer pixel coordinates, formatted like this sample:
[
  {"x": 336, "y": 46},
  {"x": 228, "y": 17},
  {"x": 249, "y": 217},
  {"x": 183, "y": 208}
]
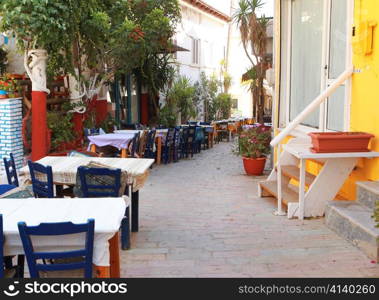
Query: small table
[
  {"x": 117, "y": 140},
  {"x": 65, "y": 169},
  {"x": 107, "y": 212},
  {"x": 159, "y": 138}
]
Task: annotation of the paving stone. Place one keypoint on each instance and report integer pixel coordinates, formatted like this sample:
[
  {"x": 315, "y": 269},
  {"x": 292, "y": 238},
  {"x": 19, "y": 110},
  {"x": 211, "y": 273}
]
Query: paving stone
[{"x": 201, "y": 218}]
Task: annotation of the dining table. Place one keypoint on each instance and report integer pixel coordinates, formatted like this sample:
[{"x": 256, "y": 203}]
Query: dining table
[
  {"x": 65, "y": 170},
  {"x": 159, "y": 139},
  {"x": 118, "y": 140},
  {"x": 107, "y": 213}
]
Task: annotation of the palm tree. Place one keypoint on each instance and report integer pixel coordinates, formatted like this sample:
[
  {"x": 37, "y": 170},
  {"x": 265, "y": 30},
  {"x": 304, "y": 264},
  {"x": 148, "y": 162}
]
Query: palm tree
[{"x": 253, "y": 37}]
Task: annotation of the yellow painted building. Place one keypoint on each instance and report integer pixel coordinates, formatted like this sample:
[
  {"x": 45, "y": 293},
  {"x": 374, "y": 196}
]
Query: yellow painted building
[{"x": 315, "y": 41}]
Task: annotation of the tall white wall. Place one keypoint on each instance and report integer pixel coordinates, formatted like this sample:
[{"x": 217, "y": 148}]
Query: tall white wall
[{"x": 213, "y": 35}]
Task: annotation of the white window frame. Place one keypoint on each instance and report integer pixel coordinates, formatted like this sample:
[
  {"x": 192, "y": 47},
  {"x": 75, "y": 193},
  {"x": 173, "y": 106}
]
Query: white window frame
[
  {"x": 303, "y": 129},
  {"x": 195, "y": 60}
]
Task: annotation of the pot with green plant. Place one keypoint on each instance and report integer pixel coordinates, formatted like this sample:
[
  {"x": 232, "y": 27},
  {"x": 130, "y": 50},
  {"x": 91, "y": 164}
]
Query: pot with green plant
[{"x": 254, "y": 147}]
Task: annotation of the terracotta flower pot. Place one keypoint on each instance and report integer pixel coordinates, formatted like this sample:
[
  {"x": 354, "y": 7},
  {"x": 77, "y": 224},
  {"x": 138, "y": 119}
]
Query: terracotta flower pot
[
  {"x": 334, "y": 142},
  {"x": 254, "y": 166}
]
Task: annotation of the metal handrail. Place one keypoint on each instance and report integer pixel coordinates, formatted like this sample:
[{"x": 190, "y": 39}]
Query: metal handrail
[{"x": 312, "y": 106}]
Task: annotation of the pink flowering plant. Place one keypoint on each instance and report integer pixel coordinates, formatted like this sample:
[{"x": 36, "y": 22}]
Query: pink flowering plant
[{"x": 254, "y": 142}]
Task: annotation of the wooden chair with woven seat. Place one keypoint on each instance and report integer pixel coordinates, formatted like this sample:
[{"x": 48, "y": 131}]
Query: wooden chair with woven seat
[
  {"x": 64, "y": 260},
  {"x": 42, "y": 180},
  {"x": 97, "y": 182}
]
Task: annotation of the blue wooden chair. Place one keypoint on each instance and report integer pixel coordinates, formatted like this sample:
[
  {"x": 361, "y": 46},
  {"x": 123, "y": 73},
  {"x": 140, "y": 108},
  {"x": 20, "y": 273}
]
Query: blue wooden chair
[
  {"x": 103, "y": 182},
  {"x": 2, "y": 266},
  {"x": 134, "y": 145},
  {"x": 190, "y": 141},
  {"x": 41, "y": 189},
  {"x": 10, "y": 169},
  {"x": 4, "y": 188},
  {"x": 177, "y": 149},
  {"x": 150, "y": 141},
  {"x": 167, "y": 147},
  {"x": 58, "y": 229},
  {"x": 199, "y": 138}
]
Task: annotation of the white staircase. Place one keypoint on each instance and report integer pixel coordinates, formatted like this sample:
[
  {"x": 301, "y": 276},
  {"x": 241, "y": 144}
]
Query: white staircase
[{"x": 306, "y": 195}]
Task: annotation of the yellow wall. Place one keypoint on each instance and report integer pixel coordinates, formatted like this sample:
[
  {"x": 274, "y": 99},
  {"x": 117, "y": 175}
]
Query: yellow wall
[{"x": 365, "y": 92}]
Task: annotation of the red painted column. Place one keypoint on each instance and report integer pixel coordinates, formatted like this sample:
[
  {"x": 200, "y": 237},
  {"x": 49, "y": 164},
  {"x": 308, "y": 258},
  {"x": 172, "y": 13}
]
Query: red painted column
[
  {"x": 144, "y": 109},
  {"x": 39, "y": 125}
]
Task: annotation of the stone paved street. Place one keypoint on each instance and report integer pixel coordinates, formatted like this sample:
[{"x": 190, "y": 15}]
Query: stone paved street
[{"x": 201, "y": 218}]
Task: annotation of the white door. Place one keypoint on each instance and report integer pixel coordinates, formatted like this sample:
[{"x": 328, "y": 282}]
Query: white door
[
  {"x": 318, "y": 34},
  {"x": 337, "y": 64}
]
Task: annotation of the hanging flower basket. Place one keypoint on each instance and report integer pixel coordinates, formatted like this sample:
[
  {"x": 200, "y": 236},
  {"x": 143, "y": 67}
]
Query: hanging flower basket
[{"x": 334, "y": 142}]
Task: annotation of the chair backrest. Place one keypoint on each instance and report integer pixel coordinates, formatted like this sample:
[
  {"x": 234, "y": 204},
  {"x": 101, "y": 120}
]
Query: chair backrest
[
  {"x": 42, "y": 180},
  {"x": 99, "y": 182},
  {"x": 58, "y": 229},
  {"x": 199, "y": 133},
  {"x": 150, "y": 140},
  {"x": 177, "y": 136},
  {"x": 143, "y": 142},
  {"x": 170, "y": 137},
  {"x": 1, "y": 247},
  {"x": 191, "y": 133},
  {"x": 134, "y": 145},
  {"x": 10, "y": 169}
]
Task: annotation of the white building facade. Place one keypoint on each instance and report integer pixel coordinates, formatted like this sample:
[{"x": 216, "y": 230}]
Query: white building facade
[{"x": 204, "y": 33}]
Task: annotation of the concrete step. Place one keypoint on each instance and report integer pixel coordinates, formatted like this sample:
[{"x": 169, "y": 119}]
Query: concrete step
[
  {"x": 353, "y": 221},
  {"x": 368, "y": 193},
  {"x": 271, "y": 188}
]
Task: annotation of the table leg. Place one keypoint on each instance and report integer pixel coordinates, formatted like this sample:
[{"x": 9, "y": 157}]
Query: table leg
[
  {"x": 102, "y": 272},
  {"x": 124, "y": 154},
  {"x": 58, "y": 190},
  {"x": 135, "y": 200},
  {"x": 113, "y": 271},
  {"x": 93, "y": 148},
  {"x": 159, "y": 150},
  {"x": 114, "y": 250}
]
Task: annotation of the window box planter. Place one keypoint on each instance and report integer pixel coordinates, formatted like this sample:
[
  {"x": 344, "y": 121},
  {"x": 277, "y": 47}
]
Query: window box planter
[{"x": 334, "y": 142}]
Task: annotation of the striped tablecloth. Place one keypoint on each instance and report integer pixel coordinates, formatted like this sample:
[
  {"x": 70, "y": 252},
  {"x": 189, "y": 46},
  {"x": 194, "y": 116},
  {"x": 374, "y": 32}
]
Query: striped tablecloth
[{"x": 65, "y": 168}]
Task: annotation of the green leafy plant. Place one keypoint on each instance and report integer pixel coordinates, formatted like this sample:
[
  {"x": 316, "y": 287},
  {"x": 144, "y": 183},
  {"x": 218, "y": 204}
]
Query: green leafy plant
[
  {"x": 61, "y": 126},
  {"x": 254, "y": 142},
  {"x": 223, "y": 106},
  {"x": 168, "y": 116},
  {"x": 3, "y": 60},
  {"x": 181, "y": 95},
  {"x": 253, "y": 36},
  {"x": 10, "y": 84},
  {"x": 108, "y": 123}
]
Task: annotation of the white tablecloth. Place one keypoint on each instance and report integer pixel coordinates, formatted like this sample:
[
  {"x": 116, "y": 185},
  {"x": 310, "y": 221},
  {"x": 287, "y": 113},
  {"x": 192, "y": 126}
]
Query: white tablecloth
[
  {"x": 65, "y": 168},
  {"x": 107, "y": 212}
]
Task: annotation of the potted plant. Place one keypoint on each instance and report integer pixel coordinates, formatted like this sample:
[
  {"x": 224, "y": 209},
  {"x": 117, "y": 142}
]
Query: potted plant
[
  {"x": 254, "y": 145},
  {"x": 9, "y": 87}
]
